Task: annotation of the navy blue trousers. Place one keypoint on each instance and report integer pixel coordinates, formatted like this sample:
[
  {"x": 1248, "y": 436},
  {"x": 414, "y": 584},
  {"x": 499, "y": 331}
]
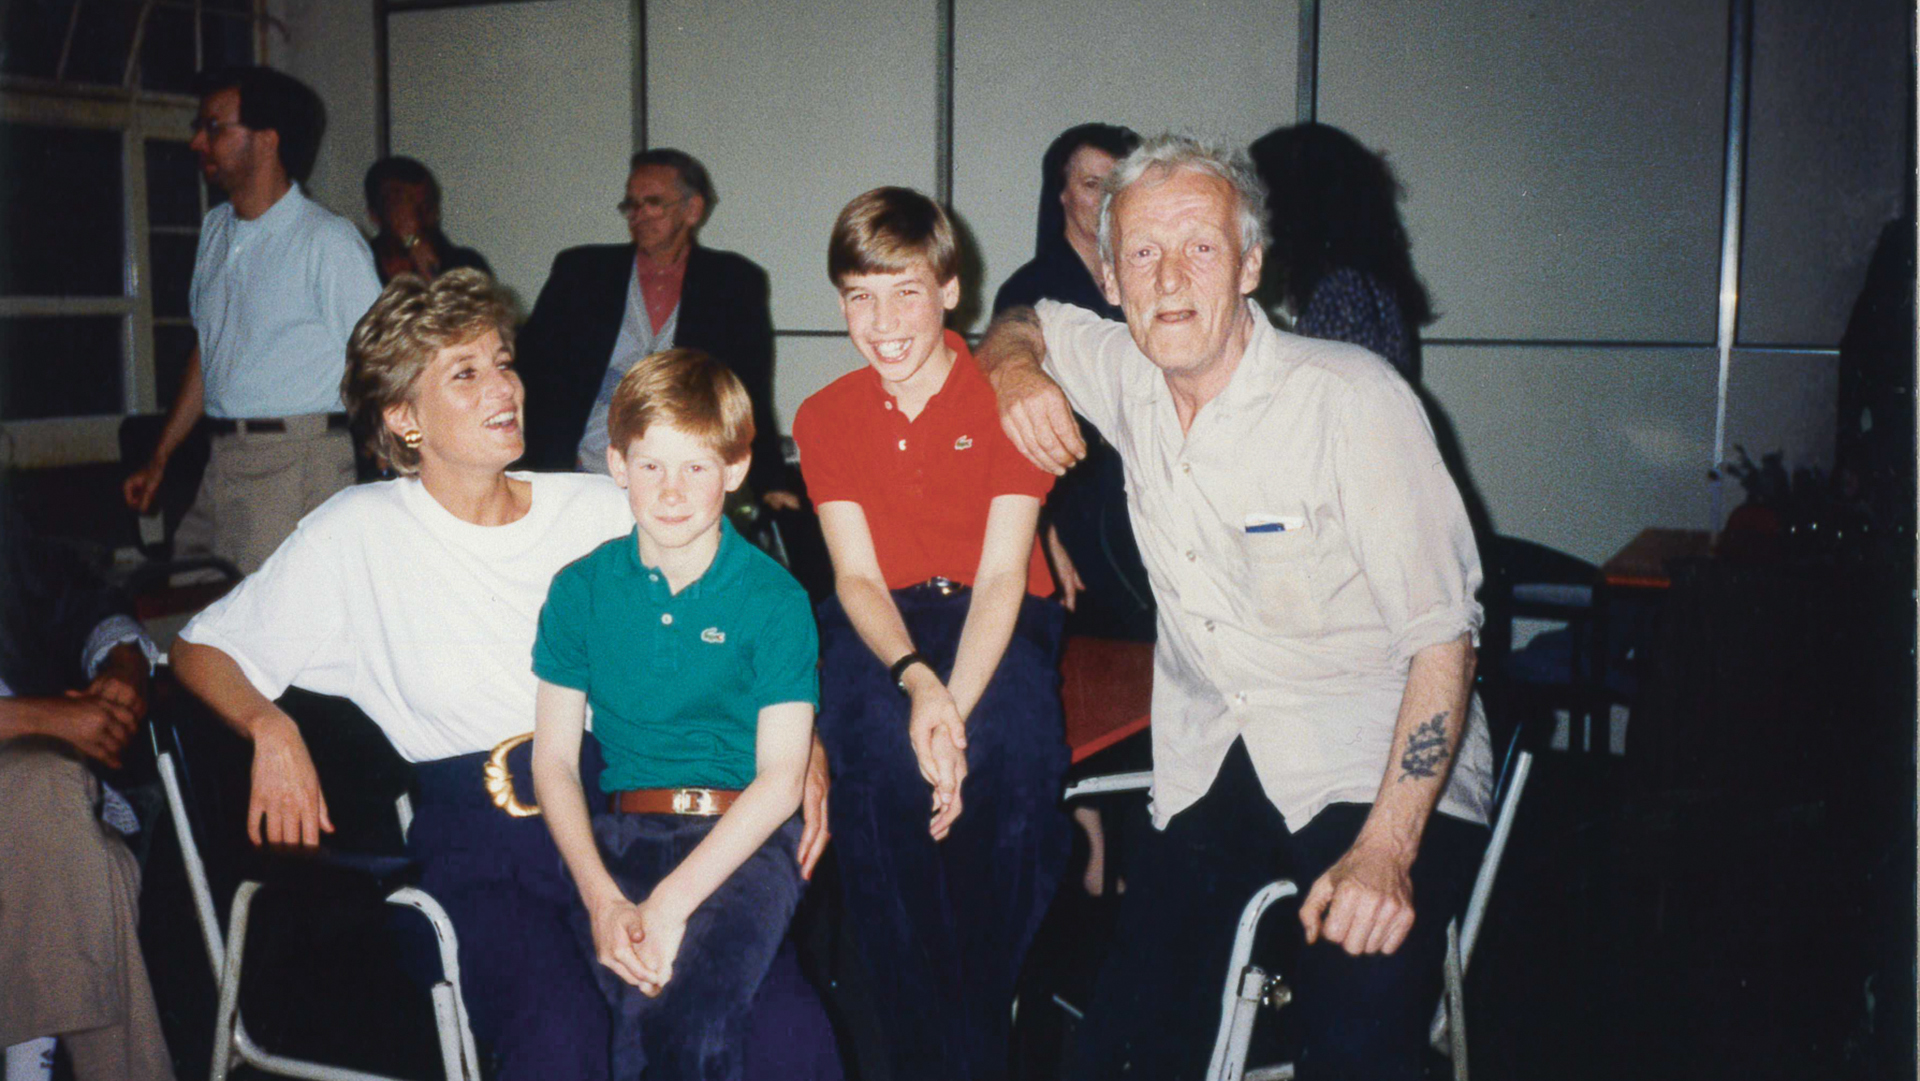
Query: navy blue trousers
[
  {"x": 537, "y": 1009},
  {"x": 1156, "y": 1010},
  {"x": 531, "y": 994},
  {"x": 944, "y": 925},
  {"x": 698, "y": 1027}
]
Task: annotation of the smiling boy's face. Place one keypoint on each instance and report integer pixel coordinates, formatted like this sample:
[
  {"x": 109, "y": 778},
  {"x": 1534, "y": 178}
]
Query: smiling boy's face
[
  {"x": 676, "y": 485},
  {"x": 898, "y": 320}
]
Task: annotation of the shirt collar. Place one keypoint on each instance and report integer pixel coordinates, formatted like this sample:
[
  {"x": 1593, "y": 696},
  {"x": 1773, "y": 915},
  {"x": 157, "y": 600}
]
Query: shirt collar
[
  {"x": 962, "y": 356},
  {"x": 729, "y": 562},
  {"x": 1261, "y": 369},
  {"x": 280, "y": 213}
]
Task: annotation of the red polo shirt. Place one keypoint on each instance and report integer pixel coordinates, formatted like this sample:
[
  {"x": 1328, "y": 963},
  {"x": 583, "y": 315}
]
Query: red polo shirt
[{"x": 924, "y": 484}]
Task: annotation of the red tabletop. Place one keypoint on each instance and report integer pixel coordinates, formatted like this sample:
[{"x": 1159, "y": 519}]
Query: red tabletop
[{"x": 1106, "y": 688}]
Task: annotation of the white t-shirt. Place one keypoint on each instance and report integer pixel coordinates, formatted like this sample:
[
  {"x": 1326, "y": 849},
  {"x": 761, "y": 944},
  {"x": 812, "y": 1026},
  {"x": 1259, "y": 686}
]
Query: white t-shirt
[{"x": 423, "y": 620}]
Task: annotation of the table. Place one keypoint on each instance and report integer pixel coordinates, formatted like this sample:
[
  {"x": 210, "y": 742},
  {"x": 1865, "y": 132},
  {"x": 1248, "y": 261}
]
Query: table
[
  {"x": 1641, "y": 565},
  {"x": 1106, "y": 687}
]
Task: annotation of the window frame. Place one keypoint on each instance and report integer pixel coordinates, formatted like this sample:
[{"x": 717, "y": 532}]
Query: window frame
[{"x": 74, "y": 440}]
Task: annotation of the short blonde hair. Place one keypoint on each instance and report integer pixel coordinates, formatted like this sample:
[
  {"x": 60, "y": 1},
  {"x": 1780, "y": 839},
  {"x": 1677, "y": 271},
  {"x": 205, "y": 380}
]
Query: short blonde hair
[
  {"x": 689, "y": 390},
  {"x": 399, "y": 336},
  {"x": 886, "y": 230}
]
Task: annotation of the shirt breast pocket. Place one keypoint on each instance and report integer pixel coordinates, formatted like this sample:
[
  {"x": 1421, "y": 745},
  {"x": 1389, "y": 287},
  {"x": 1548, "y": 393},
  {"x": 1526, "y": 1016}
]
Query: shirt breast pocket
[{"x": 1281, "y": 566}]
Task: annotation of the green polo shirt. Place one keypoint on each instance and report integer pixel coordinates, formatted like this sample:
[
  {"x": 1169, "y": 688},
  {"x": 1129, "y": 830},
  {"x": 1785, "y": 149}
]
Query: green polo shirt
[{"x": 677, "y": 681}]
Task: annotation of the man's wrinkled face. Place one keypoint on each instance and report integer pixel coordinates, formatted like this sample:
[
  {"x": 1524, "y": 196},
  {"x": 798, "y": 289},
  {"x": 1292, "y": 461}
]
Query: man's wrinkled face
[
  {"x": 1178, "y": 270},
  {"x": 662, "y": 216}
]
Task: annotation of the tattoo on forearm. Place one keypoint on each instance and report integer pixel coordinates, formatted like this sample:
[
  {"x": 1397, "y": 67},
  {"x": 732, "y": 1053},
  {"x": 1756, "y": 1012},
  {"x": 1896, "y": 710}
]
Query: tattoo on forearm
[{"x": 1426, "y": 752}]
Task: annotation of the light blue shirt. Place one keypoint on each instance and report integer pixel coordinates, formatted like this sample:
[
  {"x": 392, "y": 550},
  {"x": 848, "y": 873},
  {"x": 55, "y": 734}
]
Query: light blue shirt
[
  {"x": 274, "y": 301},
  {"x": 637, "y": 341}
]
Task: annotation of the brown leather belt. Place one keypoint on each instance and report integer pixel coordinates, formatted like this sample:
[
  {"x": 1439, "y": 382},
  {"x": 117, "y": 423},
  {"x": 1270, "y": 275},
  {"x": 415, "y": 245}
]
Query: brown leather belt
[
  {"x": 673, "y": 801},
  {"x": 228, "y": 426}
]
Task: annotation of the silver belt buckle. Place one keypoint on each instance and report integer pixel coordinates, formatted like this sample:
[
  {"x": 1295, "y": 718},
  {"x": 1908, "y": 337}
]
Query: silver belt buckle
[
  {"x": 695, "y": 801},
  {"x": 947, "y": 587}
]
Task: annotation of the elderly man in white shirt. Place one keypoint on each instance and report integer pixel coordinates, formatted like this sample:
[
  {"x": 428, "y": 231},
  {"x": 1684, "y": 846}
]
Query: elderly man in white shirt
[
  {"x": 278, "y": 283},
  {"x": 1315, "y": 575}
]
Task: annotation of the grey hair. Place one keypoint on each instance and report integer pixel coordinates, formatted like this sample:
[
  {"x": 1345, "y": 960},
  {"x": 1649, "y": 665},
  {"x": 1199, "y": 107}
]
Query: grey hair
[{"x": 1170, "y": 153}]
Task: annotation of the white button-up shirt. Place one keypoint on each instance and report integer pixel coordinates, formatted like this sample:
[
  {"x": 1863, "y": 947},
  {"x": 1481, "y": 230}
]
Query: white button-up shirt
[
  {"x": 274, "y": 301},
  {"x": 1304, "y": 541}
]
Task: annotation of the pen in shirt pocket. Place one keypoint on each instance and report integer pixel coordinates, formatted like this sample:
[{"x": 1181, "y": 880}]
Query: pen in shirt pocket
[{"x": 1274, "y": 523}]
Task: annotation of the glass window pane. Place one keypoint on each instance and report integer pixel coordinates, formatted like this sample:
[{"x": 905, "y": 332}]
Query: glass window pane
[
  {"x": 226, "y": 39},
  {"x": 172, "y": 272},
  {"x": 60, "y": 212},
  {"x": 101, "y": 40},
  {"x": 166, "y": 52},
  {"x": 30, "y": 36},
  {"x": 172, "y": 345},
  {"x": 173, "y": 183},
  {"x": 61, "y": 366}
]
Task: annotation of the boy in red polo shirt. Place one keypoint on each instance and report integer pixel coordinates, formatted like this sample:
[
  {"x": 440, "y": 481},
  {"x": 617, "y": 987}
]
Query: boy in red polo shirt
[{"x": 940, "y": 707}]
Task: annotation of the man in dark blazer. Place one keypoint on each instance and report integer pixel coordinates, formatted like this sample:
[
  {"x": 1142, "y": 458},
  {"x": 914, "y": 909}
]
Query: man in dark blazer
[{"x": 606, "y": 305}]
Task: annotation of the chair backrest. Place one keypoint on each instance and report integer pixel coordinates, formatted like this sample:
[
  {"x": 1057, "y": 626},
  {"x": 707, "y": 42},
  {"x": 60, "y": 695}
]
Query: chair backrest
[
  {"x": 206, "y": 770},
  {"x": 200, "y": 763}
]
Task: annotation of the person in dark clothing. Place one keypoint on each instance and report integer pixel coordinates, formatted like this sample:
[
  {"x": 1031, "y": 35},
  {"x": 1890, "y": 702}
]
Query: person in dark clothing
[
  {"x": 1088, "y": 537},
  {"x": 605, "y": 306},
  {"x": 403, "y": 200},
  {"x": 1340, "y": 264}
]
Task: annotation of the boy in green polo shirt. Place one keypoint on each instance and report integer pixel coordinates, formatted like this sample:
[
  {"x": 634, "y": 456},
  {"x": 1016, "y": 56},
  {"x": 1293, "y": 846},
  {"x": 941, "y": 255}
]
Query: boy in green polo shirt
[{"x": 697, "y": 653}]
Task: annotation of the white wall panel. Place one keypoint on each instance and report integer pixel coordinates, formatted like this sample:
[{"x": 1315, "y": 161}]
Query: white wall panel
[
  {"x": 1562, "y": 158},
  {"x": 804, "y": 365},
  {"x": 328, "y": 44},
  {"x": 795, "y": 108},
  {"x": 1785, "y": 402},
  {"x": 1581, "y": 449},
  {"x": 525, "y": 112},
  {"x": 1024, "y": 72},
  {"x": 1826, "y": 163}
]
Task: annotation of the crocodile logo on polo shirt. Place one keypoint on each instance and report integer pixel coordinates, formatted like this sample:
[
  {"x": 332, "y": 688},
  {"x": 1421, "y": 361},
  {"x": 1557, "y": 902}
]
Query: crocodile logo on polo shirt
[
  {"x": 963, "y": 442},
  {"x": 713, "y": 635}
]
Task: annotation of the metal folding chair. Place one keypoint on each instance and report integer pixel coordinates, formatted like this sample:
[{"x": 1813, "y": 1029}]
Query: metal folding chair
[
  {"x": 1248, "y": 986},
  {"x": 195, "y": 807}
]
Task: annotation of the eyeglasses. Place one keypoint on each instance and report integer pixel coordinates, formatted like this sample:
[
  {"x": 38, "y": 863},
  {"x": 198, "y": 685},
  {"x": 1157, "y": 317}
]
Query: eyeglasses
[
  {"x": 652, "y": 204},
  {"x": 211, "y": 127}
]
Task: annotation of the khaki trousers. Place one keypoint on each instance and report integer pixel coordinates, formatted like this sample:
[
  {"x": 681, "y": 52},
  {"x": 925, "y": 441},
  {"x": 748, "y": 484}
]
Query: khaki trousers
[
  {"x": 258, "y": 486},
  {"x": 70, "y": 963}
]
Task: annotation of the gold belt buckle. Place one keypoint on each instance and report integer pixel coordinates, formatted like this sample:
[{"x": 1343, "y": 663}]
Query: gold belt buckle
[
  {"x": 694, "y": 801},
  {"x": 500, "y": 779}
]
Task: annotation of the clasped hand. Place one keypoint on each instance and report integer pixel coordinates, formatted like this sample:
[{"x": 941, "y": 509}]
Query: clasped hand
[
  {"x": 939, "y": 738},
  {"x": 638, "y": 942}
]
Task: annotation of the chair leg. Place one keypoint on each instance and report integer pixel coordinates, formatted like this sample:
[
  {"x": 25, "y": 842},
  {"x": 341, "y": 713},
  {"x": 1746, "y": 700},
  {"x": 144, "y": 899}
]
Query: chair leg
[
  {"x": 1245, "y": 987},
  {"x": 224, "y": 1050},
  {"x": 1455, "y": 973},
  {"x": 458, "y": 1055}
]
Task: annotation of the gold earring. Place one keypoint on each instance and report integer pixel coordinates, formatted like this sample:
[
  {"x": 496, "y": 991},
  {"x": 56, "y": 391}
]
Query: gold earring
[{"x": 412, "y": 438}]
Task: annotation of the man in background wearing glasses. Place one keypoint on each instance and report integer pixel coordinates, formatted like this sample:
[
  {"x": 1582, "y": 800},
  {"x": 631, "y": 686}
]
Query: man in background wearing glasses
[
  {"x": 278, "y": 283},
  {"x": 605, "y": 306}
]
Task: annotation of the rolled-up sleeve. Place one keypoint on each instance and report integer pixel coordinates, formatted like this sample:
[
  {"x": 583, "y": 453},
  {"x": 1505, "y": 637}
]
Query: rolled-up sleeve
[
  {"x": 287, "y": 622},
  {"x": 1404, "y": 518},
  {"x": 1086, "y": 355}
]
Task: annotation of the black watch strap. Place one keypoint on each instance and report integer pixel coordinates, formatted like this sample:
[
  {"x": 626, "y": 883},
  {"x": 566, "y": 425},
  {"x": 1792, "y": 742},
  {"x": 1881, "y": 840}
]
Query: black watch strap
[{"x": 899, "y": 670}]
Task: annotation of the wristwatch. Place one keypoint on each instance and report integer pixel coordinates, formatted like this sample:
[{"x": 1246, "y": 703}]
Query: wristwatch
[{"x": 899, "y": 670}]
